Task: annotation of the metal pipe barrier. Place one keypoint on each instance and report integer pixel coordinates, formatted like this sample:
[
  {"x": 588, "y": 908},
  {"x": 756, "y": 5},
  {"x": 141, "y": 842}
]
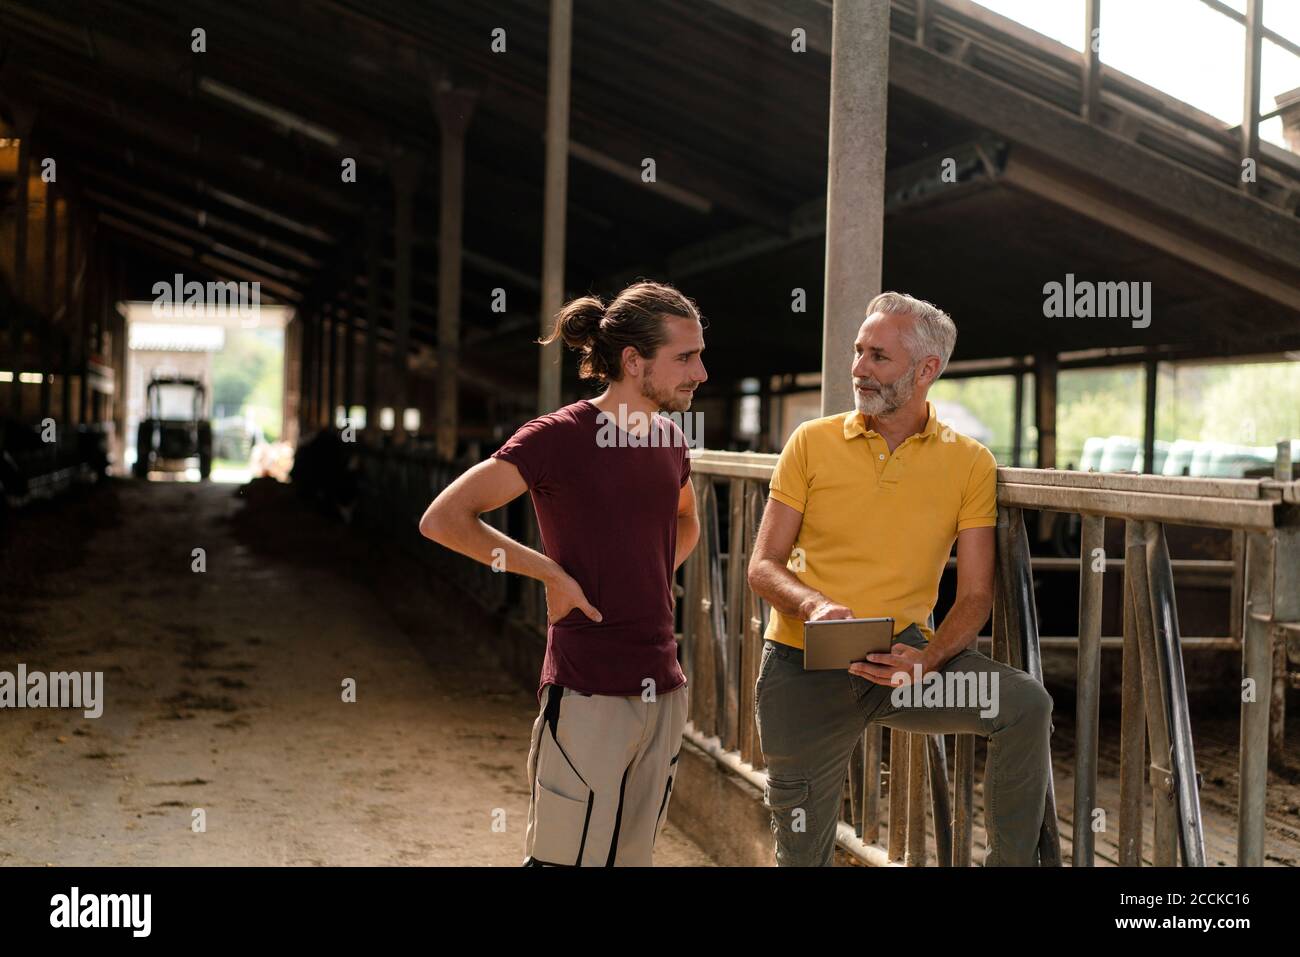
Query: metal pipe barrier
[
  {"x": 722, "y": 625},
  {"x": 720, "y": 650}
]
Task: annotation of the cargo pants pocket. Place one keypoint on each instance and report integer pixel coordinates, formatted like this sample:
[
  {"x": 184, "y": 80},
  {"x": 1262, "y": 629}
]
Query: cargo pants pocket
[
  {"x": 787, "y": 799},
  {"x": 668, "y": 791},
  {"x": 562, "y": 806}
]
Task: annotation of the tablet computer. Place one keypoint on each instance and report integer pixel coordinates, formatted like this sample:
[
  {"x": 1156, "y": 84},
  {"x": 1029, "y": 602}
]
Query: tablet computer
[{"x": 838, "y": 642}]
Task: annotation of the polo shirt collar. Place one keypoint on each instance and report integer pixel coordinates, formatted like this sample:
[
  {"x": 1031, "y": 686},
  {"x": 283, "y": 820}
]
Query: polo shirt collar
[{"x": 855, "y": 423}]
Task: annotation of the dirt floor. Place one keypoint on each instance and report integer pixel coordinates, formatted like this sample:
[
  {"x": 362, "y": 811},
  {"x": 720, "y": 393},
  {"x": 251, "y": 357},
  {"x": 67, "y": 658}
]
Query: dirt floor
[{"x": 223, "y": 693}]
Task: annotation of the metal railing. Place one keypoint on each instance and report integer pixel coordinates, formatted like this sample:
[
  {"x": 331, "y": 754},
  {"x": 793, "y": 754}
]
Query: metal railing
[{"x": 723, "y": 624}]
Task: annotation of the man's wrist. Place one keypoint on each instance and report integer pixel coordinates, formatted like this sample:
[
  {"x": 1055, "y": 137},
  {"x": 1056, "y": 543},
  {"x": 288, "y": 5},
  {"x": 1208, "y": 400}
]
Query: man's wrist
[
  {"x": 809, "y": 604},
  {"x": 935, "y": 656},
  {"x": 550, "y": 572}
]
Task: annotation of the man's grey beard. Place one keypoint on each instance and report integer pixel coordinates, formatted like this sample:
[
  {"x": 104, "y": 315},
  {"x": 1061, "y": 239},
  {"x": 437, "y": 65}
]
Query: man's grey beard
[{"x": 889, "y": 398}]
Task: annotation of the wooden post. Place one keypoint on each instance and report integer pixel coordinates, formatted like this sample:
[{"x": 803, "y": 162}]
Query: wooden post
[
  {"x": 370, "y": 390},
  {"x": 454, "y": 109},
  {"x": 350, "y": 334},
  {"x": 1149, "y": 418},
  {"x": 330, "y": 326},
  {"x": 24, "y": 124},
  {"x": 406, "y": 173},
  {"x": 69, "y": 300},
  {"x": 47, "y": 327}
]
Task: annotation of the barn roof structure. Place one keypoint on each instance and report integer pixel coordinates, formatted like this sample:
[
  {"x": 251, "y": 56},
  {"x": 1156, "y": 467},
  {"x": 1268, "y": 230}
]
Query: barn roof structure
[{"x": 1000, "y": 175}]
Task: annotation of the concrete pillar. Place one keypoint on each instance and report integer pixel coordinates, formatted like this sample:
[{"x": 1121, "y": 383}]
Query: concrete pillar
[
  {"x": 1091, "y": 61},
  {"x": 89, "y": 302},
  {"x": 370, "y": 390},
  {"x": 349, "y": 336},
  {"x": 313, "y": 368},
  {"x": 556, "y": 197},
  {"x": 319, "y": 416},
  {"x": 406, "y": 174},
  {"x": 1253, "y": 66},
  {"x": 454, "y": 108},
  {"x": 24, "y": 123},
  {"x": 69, "y": 303},
  {"x": 291, "y": 371},
  {"x": 329, "y": 324},
  {"x": 855, "y": 194},
  {"x": 47, "y": 327},
  {"x": 119, "y": 357},
  {"x": 304, "y": 361}
]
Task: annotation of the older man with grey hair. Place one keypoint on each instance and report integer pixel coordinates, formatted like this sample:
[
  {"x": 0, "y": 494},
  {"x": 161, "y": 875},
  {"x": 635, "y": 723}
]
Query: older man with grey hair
[{"x": 863, "y": 511}]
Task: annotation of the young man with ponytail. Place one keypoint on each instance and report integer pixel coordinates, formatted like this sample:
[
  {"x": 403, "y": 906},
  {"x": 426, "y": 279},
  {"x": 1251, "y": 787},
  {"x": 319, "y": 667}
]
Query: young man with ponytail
[{"x": 609, "y": 481}]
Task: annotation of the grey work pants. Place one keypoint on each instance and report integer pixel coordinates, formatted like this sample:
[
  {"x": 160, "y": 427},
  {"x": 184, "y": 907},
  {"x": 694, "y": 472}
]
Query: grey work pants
[
  {"x": 601, "y": 769},
  {"x": 809, "y": 722}
]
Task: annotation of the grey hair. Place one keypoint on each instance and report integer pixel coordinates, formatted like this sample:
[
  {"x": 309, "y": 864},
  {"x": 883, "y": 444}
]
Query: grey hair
[{"x": 932, "y": 333}]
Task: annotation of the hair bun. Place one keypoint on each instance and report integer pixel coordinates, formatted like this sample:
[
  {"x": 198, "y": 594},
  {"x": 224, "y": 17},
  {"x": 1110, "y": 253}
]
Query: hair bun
[{"x": 579, "y": 321}]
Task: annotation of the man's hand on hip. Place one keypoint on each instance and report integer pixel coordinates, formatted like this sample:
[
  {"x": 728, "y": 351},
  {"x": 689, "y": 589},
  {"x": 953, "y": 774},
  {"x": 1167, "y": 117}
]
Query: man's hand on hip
[{"x": 563, "y": 594}]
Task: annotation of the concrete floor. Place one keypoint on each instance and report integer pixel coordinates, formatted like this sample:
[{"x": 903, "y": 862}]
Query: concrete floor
[{"x": 223, "y": 694}]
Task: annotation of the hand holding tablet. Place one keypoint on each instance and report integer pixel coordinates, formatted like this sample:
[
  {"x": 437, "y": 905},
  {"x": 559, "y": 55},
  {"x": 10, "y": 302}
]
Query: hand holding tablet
[{"x": 838, "y": 642}]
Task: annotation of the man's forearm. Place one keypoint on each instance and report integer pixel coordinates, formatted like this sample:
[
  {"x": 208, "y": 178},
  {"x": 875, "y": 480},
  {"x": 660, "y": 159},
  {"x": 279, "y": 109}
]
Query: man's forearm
[
  {"x": 959, "y": 629},
  {"x": 473, "y": 537},
  {"x": 688, "y": 535},
  {"x": 782, "y": 589}
]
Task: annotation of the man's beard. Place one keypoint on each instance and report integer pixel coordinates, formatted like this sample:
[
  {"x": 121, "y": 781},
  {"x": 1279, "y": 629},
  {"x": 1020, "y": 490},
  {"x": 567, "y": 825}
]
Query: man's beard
[
  {"x": 666, "y": 400},
  {"x": 888, "y": 398}
]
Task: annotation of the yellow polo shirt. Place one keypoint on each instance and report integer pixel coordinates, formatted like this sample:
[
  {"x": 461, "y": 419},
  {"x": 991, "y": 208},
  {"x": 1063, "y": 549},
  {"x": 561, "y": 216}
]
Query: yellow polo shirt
[{"x": 878, "y": 527}]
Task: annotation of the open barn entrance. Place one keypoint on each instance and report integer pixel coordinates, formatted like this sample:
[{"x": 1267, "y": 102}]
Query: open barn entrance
[{"x": 205, "y": 387}]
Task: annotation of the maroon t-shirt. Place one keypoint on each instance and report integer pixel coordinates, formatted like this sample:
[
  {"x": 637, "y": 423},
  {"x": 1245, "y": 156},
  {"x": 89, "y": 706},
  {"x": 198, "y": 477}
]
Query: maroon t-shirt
[{"x": 607, "y": 512}]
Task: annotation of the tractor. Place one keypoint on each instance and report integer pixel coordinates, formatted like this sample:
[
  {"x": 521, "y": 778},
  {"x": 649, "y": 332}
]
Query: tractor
[{"x": 175, "y": 429}]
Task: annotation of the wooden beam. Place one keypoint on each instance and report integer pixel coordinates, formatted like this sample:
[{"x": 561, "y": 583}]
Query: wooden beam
[
  {"x": 1020, "y": 117},
  {"x": 1046, "y": 179},
  {"x": 1067, "y": 140},
  {"x": 610, "y": 137},
  {"x": 256, "y": 238}
]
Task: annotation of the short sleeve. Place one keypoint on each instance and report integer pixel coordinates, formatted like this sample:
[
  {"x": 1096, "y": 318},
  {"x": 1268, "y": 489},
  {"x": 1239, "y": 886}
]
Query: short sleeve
[
  {"x": 686, "y": 467},
  {"x": 979, "y": 502},
  {"x": 530, "y": 451},
  {"x": 789, "y": 484}
]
